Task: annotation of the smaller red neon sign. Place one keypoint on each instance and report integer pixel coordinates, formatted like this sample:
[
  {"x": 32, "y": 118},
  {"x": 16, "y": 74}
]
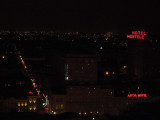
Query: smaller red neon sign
[
  {"x": 30, "y": 93},
  {"x": 137, "y": 95},
  {"x": 47, "y": 109}
]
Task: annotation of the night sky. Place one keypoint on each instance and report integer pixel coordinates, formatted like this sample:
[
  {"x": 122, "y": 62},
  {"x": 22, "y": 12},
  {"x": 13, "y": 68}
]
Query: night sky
[{"x": 80, "y": 15}]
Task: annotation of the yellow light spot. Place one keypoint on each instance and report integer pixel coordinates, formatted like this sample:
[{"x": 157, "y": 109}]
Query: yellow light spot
[
  {"x": 19, "y": 104},
  {"x": 3, "y": 57},
  {"x": 61, "y": 106},
  {"x": 107, "y": 73},
  {"x": 25, "y": 104},
  {"x": 34, "y": 108},
  {"x": 34, "y": 100},
  {"x": 30, "y": 100},
  {"x": 22, "y": 104},
  {"x": 30, "y": 108}
]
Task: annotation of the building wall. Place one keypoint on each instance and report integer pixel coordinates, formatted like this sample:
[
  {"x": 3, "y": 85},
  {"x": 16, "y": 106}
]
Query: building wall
[
  {"x": 8, "y": 105},
  {"x": 58, "y": 104},
  {"x": 82, "y": 69},
  {"x": 81, "y": 99},
  {"x": 94, "y": 100}
]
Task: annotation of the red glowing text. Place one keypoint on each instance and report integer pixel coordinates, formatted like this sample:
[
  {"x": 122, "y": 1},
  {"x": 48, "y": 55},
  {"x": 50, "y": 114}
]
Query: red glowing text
[
  {"x": 137, "y": 35},
  {"x": 137, "y": 95}
]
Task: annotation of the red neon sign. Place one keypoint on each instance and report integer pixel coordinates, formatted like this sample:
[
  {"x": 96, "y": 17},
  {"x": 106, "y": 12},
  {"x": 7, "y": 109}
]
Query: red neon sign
[
  {"x": 137, "y": 95},
  {"x": 137, "y": 35},
  {"x": 47, "y": 109},
  {"x": 30, "y": 93}
]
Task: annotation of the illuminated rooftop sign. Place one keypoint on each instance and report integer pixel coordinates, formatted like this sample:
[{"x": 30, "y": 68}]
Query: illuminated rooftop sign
[
  {"x": 137, "y": 35},
  {"x": 30, "y": 93},
  {"x": 137, "y": 95}
]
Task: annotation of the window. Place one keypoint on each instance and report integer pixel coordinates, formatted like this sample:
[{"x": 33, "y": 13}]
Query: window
[
  {"x": 30, "y": 108},
  {"x": 19, "y": 104},
  {"x": 22, "y": 104},
  {"x": 34, "y": 100},
  {"x": 30, "y": 100},
  {"x": 34, "y": 108},
  {"x": 25, "y": 104},
  {"x": 61, "y": 106}
]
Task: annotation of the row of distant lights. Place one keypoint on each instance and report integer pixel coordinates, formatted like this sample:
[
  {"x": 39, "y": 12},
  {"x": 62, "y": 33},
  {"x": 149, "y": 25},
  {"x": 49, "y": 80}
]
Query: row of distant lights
[
  {"x": 33, "y": 80},
  {"x": 85, "y": 113}
]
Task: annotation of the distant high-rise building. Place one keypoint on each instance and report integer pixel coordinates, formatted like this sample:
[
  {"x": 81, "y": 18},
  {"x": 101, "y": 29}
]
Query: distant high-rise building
[{"x": 77, "y": 68}]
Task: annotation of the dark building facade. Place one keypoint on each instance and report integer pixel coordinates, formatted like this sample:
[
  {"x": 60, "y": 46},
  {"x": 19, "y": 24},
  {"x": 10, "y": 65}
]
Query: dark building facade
[{"x": 77, "y": 68}]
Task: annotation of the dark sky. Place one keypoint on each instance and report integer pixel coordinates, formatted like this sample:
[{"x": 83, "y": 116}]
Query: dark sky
[{"x": 80, "y": 15}]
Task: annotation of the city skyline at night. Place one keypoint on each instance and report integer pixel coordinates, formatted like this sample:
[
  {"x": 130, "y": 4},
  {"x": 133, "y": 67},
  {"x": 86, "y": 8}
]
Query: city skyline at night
[{"x": 85, "y": 60}]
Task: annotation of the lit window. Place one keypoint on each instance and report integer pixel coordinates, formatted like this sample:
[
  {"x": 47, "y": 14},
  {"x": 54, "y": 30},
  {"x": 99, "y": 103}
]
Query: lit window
[
  {"x": 34, "y": 100},
  {"x": 61, "y": 106},
  {"x": 19, "y": 104},
  {"x": 30, "y": 100},
  {"x": 30, "y": 108},
  {"x": 34, "y": 108},
  {"x": 22, "y": 104},
  {"x": 25, "y": 104},
  {"x": 85, "y": 113},
  {"x": 90, "y": 112}
]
